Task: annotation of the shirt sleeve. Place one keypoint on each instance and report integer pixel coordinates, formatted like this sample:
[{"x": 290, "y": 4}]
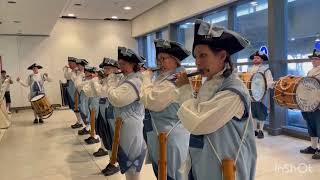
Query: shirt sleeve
[
  {"x": 209, "y": 116},
  {"x": 184, "y": 93},
  {"x": 122, "y": 95},
  {"x": 156, "y": 97},
  {"x": 269, "y": 79}
]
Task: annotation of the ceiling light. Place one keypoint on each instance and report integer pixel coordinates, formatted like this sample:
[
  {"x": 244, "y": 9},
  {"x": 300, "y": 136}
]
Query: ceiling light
[
  {"x": 114, "y": 17},
  {"x": 17, "y": 21},
  {"x": 292, "y": 39},
  {"x": 317, "y": 40},
  {"x": 127, "y": 8},
  {"x": 254, "y": 3},
  {"x": 71, "y": 15},
  {"x": 12, "y": 2},
  {"x": 77, "y": 4}
]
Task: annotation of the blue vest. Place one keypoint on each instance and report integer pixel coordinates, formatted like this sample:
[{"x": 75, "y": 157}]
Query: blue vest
[
  {"x": 226, "y": 142},
  {"x": 36, "y": 87},
  {"x": 177, "y": 142},
  {"x": 132, "y": 147}
]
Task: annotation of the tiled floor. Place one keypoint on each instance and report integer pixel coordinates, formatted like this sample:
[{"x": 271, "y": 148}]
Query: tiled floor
[{"x": 54, "y": 151}]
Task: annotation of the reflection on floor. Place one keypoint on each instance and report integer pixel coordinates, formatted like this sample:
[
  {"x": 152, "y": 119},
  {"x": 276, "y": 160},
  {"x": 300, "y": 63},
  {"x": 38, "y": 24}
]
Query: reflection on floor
[{"x": 55, "y": 151}]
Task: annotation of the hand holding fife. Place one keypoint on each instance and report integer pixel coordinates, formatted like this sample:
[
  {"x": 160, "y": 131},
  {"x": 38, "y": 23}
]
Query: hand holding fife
[
  {"x": 182, "y": 79},
  {"x": 45, "y": 74}
]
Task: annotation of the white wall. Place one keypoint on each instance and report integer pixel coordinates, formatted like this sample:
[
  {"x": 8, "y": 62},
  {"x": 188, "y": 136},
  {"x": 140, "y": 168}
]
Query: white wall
[
  {"x": 171, "y": 11},
  {"x": 90, "y": 39}
]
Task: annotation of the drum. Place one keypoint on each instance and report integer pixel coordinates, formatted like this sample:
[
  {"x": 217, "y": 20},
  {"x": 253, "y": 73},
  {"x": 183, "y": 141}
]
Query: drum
[
  {"x": 298, "y": 93},
  {"x": 41, "y": 106},
  {"x": 256, "y": 84}
]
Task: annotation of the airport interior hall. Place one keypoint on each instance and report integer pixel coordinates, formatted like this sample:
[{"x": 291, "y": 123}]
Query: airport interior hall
[{"x": 159, "y": 90}]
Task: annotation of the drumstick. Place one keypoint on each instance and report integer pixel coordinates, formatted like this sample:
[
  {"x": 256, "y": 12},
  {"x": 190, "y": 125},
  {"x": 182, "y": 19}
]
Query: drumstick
[
  {"x": 228, "y": 169},
  {"x": 92, "y": 121},
  {"x": 116, "y": 140},
  {"x": 162, "y": 161}
]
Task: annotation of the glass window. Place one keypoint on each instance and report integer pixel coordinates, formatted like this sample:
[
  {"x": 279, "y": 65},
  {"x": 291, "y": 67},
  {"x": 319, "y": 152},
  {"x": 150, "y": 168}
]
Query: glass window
[
  {"x": 218, "y": 18},
  {"x": 185, "y": 37},
  {"x": 303, "y": 31},
  {"x": 252, "y": 22},
  {"x": 151, "y": 51}
]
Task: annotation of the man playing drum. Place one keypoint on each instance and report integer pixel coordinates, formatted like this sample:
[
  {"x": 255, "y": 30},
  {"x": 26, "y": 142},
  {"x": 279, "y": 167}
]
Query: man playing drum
[
  {"x": 35, "y": 81},
  {"x": 259, "y": 109},
  {"x": 313, "y": 118}
]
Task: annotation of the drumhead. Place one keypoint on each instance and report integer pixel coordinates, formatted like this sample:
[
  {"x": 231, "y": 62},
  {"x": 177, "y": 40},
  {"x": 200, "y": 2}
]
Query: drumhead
[
  {"x": 258, "y": 86},
  {"x": 36, "y": 98},
  {"x": 307, "y": 89}
]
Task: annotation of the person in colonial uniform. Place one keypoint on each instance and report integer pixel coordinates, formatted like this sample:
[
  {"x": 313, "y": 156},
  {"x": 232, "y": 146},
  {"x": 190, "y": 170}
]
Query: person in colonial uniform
[
  {"x": 4, "y": 79},
  {"x": 313, "y": 118},
  {"x": 92, "y": 103},
  {"x": 124, "y": 95},
  {"x": 35, "y": 82},
  {"x": 78, "y": 77},
  {"x": 260, "y": 109},
  {"x": 71, "y": 89},
  {"x": 105, "y": 124},
  {"x": 159, "y": 97},
  {"x": 219, "y": 118}
]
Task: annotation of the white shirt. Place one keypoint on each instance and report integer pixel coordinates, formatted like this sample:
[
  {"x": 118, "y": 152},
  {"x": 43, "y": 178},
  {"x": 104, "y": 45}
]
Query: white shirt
[
  {"x": 206, "y": 115},
  {"x": 118, "y": 95},
  {"x": 5, "y": 83},
  {"x": 36, "y": 77},
  {"x": 67, "y": 73},
  {"x": 90, "y": 90},
  {"x": 314, "y": 72},
  {"x": 158, "y": 95},
  {"x": 4, "y": 88}
]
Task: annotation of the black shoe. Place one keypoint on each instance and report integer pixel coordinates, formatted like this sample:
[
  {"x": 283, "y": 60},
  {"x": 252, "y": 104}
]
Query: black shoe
[
  {"x": 92, "y": 140},
  {"x": 41, "y": 121},
  {"x": 110, "y": 170},
  {"x": 260, "y": 135},
  {"x": 308, "y": 150},
  {"x": 100, "y": 152},
  {"x": 255, "y": 133},
  {"x": 76, "y": 125},
  {"x": 316, "y": 155},
  {"x": 35, "y": 121},
  {"x": 83, "y": 131}
]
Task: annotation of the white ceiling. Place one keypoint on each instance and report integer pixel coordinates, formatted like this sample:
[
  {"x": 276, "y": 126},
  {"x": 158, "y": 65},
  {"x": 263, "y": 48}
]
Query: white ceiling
[
  {"x": 101, "y": 9},
  {"x": 37, "y": 17}
]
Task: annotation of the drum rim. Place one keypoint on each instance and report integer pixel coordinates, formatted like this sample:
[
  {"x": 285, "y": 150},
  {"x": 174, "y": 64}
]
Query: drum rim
[
  {"x": 42, "y": 95},
  {"x": 295, "y": 90},
  {"x": 265, "y": 86}
]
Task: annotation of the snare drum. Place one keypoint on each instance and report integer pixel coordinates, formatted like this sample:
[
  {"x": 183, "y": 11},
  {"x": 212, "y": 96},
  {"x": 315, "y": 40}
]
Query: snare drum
[
  {"x": 297, "y": 93},
  {"x": 41, "y": 106},
  {"x": 256, "y": 84}
]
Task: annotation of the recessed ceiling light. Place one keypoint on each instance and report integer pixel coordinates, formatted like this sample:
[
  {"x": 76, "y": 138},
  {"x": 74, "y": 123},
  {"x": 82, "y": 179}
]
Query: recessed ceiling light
[
  {"x": 17, "y": 21},
  {"x": 12, "y": 2},
  {"x": 317, "y": 40},
  {"x": 254, "y": 3},
  {"x": 292, "y": 39},
  {"x": 114, "y": 17},
  {"x": 77, "y": 4},
  {"x": 127, "y": 8},
  {"x": 71, "y": 15}
]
